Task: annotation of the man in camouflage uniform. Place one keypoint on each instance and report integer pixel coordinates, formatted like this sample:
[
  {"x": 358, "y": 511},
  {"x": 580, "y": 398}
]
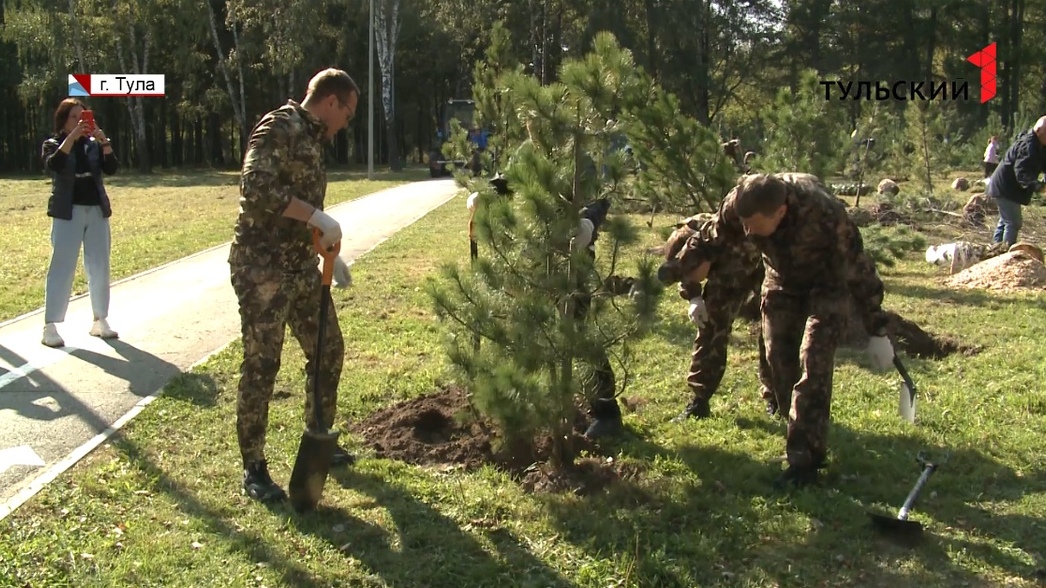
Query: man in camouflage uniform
[
  {"x": 274, "y": 266},
  {"x": 603, "y": 406},
  {"x": 812, "y": 253},
  {"x": 731, "y": 280}
]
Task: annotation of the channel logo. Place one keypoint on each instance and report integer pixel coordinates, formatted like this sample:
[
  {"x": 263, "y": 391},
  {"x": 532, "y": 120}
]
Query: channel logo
[{"x": 116, "y": 85}]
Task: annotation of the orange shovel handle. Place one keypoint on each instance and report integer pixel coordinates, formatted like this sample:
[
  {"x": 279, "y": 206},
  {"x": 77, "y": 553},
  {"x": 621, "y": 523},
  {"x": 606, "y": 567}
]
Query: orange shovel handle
[{"x": 328, "y": 256}]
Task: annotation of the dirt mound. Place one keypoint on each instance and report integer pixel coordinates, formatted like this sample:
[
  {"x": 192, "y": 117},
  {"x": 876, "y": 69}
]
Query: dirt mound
[
  {"x": 907, "y": 336},
  {"x": 440, "y": 429},
  {"x": 1013, "y": 271},
  {"x": 430, "y": 430},
  {"x": 915, "y": 341}
]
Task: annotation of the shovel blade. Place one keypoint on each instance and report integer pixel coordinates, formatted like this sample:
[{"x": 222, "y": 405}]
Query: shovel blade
[
  {"x": 896, "y": 528},
  {"x": 311, "y": 468},
  {"x": 906, "y": 403}
]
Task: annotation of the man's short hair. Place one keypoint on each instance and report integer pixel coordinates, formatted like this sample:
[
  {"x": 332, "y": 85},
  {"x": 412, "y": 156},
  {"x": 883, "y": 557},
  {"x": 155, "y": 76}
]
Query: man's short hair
[
  {"x": 760, "y": 193},
  {"x": 333, "y": 81}
]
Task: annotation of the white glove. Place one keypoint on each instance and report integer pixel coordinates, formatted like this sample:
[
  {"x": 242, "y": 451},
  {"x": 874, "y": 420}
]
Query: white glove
[
  {"x": 342, "y": 275},
  {"x": 328, "y": 226},
  {"x": 880, "y": 352},
  {"x": 584, "y": 233},
  {"x": 698, "y": 312},
  {"x": 471, "y": 201}
]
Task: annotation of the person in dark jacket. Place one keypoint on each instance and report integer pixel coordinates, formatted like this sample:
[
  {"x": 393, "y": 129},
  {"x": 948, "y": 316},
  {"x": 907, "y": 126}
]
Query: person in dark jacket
[
  {"x": 76, "y": 156},
  {"x": 1016, "y": 179}
]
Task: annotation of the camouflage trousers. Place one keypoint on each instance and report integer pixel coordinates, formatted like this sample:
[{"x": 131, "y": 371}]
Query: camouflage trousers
[
  {"x": 270, "y": 301},
  {"x": 802, "y": 333},
  {"x": 723, "y": 296},
  {"x": 600, "y": 394}
]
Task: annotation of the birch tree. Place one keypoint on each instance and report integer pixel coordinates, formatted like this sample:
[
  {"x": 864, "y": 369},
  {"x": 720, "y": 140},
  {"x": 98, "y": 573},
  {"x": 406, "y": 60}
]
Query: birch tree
[
  {"x": 133, "y": 55},
  {"x": 386, "y": 34},
  {"x": 225, "y": 63}
]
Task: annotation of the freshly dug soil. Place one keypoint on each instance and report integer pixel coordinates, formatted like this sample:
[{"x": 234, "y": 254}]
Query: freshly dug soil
[
  {"x": 1009, "y": 272},
  {"x": 915, "y": 341},
  {"x": 440, "y": 429}
]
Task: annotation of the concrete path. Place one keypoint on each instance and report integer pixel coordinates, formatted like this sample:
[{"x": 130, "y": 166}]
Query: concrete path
[{"x": 56, "y": 405}]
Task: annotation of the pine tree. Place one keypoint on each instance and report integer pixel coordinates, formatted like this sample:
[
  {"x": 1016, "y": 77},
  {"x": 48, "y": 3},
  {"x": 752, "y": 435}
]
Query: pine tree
[
  {"x": 519, "y": 298},
  {"x": 682, "y": 167},
  {"x": 806, "y": 133},
  {"x": 888, "y": 245},
  {"x": 925, "y": 128}
]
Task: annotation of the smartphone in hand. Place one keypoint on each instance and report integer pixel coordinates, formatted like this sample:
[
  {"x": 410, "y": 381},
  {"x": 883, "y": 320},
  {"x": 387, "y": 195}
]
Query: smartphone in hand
[{"x": 87, "y": 116}]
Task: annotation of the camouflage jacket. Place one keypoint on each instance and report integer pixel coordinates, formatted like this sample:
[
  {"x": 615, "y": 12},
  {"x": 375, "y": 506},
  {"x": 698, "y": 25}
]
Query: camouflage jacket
[
  {"x": 816, "y": 249},
  {"x": 284, "y": 159},
  {"x": 735, "y": 267}
]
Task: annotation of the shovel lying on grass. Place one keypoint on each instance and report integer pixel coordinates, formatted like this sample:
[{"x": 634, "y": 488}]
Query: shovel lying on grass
[
  {"x": 900, "y": 527},
  {"x": 317, "y": 445}
]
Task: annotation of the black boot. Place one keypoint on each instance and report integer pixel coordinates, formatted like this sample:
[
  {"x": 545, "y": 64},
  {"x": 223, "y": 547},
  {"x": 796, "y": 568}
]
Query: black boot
[
  {"x": 771, "y": 407},
  {"x": 697, "y": 409},
  {"x": 607, "y": 415},
  {"x": 259, "y": 485},
  {"x": 342, "y": 458},
  {"x": 796, "y": 477}
]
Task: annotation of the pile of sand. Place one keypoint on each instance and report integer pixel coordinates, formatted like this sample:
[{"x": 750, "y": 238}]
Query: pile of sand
[{"x": 1016, "y": 270}]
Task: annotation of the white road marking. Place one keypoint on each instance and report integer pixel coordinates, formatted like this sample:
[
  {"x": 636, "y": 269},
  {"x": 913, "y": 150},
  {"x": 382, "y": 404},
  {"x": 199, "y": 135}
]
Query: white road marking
[{"x": 21, "y": 455}]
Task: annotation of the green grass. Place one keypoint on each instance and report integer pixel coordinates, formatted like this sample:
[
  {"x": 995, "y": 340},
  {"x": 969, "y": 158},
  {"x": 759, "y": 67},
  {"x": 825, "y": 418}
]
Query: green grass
[
  {"x": 161, "y": 506},
  {"x": 156, "y": 219}
]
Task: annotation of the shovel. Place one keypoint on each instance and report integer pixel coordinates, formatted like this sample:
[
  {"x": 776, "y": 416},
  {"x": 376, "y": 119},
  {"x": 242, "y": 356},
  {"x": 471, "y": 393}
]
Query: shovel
[
  {"x": 900, "y": 527},
  {"x": 317, "y": 445},
  {"x": 906, "y": 400}
]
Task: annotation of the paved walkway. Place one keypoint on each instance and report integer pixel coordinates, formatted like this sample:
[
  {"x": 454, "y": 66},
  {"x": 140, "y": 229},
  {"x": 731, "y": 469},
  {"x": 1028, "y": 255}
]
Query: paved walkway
[{"x": 56, "y": 405}]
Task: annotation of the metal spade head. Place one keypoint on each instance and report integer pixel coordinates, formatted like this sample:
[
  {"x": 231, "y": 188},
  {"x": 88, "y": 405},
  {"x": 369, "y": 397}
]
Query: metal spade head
[
  {"x": 906, "y": 403},
  {"x": 893, "y": 526}
]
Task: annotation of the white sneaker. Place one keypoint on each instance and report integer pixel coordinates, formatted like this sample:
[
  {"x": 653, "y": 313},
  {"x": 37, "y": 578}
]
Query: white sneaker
[
  {"x": 51, "y": 337},
  {"x": 101, "y": 329}
]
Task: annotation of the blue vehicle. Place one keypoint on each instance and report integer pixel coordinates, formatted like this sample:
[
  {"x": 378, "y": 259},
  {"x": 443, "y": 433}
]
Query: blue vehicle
[{"x": 455, "y": 109}]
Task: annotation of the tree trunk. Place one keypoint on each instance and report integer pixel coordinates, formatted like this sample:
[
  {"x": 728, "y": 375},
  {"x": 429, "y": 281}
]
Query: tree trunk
[
  {"x": 135, "y": 108},
  {"x": 144, "y": 154},
  {"x": 545, "y": 66},
  {"x": 237, "y": 101},
  {"x": 214, "y": 134},
  {"x": 386, "y": 32},
  {"x": 160, "y": 136},
  {"x": 931, "y": 44},
  {"x": 177, "y": 155},
  {"x": 704, "y": 64},
  {"x": 74, "y": 23},
  {"x": 652, "y": 32},
  {"x": 1017, "y": 30}
]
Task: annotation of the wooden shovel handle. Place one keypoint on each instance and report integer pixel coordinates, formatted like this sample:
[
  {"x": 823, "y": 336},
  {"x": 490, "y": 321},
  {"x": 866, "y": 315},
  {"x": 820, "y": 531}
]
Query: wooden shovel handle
[{"x": 328, "y": 256}]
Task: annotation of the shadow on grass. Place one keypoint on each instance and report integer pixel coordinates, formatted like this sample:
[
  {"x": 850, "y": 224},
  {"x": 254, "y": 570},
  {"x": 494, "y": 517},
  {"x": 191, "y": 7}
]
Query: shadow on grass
[
  {"x": 176, "y": 179},
  {"x": 199, "y": 389},
  {"x": 430, "y": 549},
  {"x": 186, "y": 178},
  {"x": 733, "y": 526},
  {"x": 358, "y": 174},
  {"x": 253, "y": 544},
  {"x": 944, "y": 295}
]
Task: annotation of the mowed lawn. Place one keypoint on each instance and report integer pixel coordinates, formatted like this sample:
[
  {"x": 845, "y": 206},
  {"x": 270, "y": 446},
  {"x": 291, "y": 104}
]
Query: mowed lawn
[
  {"x": 156, "y": 219},
  {"x": 161, "y": 504}
]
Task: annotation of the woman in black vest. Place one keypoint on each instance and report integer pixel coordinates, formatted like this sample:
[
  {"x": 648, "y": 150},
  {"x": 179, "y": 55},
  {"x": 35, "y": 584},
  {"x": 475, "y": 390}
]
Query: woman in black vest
[{"x": 76, "y": 156}]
